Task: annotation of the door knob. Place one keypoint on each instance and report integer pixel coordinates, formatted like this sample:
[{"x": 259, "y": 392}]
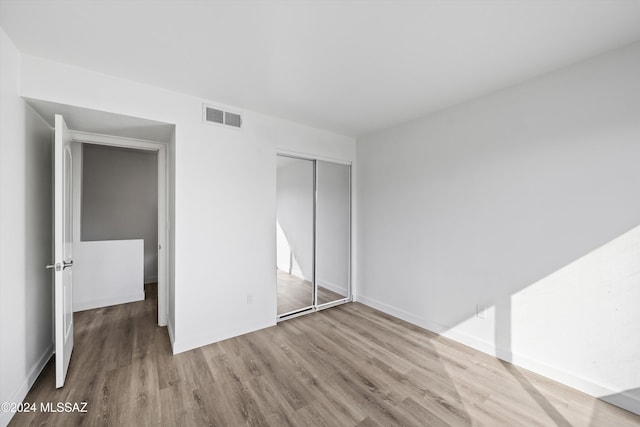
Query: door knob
[{"x": 59, "y": 266}]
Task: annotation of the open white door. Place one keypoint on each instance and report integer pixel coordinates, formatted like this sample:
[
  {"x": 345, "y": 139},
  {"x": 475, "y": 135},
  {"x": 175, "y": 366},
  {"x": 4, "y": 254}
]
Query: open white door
[{"x": 63, "y": 238}]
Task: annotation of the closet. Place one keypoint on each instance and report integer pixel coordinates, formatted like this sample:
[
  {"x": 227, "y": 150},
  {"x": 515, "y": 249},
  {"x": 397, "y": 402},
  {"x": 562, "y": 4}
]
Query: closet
[{"x": 313, "y": 230}]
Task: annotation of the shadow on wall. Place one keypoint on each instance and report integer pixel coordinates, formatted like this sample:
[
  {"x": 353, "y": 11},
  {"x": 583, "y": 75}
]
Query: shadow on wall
[
  {"x": 558, "y": 324},
  {"x": 578, "y": 325}
]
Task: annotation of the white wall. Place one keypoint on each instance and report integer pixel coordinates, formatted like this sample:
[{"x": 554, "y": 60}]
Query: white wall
[
  {"x": 294, "y": 207},
  {"x": 25, "y": 236},
  {"x": 225, "y": 196},
  {"x": 120, "y": 199},
  {"x": 107, "y": 272},
  {"x": 332, "y": 227},
  {"x": 490, "y": 203}
]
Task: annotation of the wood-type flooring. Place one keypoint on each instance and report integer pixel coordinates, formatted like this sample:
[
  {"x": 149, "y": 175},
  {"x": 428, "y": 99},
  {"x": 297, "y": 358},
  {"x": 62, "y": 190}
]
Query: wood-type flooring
[{"x": 345, "y": 366}]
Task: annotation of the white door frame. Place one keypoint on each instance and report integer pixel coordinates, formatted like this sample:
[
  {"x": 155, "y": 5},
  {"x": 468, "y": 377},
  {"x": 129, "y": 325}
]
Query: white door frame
[{"x": 163, "y": 205}]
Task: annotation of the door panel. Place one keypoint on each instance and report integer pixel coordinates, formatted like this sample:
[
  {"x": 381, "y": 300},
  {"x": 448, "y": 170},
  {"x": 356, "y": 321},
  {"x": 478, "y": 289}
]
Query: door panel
[
  {"x": 333, "y": 231},
  {"x": 63, "y": 249},
  {"x": 295, "y": 234}
]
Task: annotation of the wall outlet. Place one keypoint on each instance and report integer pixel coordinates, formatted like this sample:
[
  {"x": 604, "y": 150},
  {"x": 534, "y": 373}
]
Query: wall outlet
[
  {"x": 481, "y": 311},
  {"x": 249, "y": 299}
]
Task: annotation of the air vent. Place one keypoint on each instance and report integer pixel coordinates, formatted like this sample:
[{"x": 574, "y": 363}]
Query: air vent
[
  {"x": 221, "y": 117},
  {"x": 213, "y": 115},
  {"x": 232, "y": 119}
]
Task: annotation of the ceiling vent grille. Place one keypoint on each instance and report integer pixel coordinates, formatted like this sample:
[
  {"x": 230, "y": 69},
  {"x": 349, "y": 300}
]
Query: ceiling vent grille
[{"x": 221, "y": 117}]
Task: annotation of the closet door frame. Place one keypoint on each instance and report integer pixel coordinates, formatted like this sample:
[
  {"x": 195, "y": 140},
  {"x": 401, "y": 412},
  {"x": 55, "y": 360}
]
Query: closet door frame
[{"x": 315, "y": 307}]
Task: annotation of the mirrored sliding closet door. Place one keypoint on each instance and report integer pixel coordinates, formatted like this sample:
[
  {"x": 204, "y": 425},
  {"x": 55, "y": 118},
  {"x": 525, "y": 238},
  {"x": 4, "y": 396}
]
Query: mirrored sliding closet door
[
  {"x": 313, "y": 235},
  {"x": 333, "y": 225},
  {"x": 295, "y": 204}
]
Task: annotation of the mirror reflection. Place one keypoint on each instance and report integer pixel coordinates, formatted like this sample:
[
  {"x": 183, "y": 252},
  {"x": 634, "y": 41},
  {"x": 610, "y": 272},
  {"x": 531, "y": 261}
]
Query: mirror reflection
[
  {"x": 333, "y": 213},
  {"x": 294, "y": 233}
]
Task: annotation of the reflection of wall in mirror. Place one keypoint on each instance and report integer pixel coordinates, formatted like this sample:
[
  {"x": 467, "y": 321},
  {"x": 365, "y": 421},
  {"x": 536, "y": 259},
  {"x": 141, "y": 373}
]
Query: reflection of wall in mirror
[
  {"x": 286, "y": 261},
  {"x": 295, "y": 216}
]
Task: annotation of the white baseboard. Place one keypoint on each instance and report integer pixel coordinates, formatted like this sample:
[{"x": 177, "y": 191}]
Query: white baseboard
[
  {"x": 607, "y": 393},
  {"x": 189, "y": 343},
  {"x": 332, "y": 287},
  {"x": 21, "y": 392},
  {"x": 105, "y": 302}
]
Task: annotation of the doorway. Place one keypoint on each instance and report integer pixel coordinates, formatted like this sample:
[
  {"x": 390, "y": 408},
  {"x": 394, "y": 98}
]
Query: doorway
[
  {"x": 118, "y": 130},
  {"x": 137, "y": 249},
  {"x": 313, "y": 235},
  {"x": 115, "y": 213}
]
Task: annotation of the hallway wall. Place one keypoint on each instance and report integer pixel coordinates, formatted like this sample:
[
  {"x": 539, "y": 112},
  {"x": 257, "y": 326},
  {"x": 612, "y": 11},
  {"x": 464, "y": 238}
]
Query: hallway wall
[{"x": 120, "y": 199}]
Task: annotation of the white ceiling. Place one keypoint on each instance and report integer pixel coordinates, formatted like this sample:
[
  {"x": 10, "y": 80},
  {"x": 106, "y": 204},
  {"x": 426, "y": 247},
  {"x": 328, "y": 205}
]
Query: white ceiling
[{"x": 349, "y": 66}]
